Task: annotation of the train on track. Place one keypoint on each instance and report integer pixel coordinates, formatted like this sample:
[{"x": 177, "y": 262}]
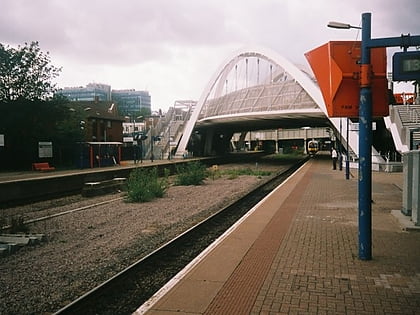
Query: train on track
[{"x": 313, "y": 147}]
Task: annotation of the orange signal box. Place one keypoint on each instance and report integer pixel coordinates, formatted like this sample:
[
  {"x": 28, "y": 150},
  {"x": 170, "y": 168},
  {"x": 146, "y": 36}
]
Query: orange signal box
[{"x": 336, "y": 66}]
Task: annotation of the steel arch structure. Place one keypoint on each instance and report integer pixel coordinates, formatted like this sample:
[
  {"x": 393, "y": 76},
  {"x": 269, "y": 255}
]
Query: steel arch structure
[{"x": 214, "y": 105}]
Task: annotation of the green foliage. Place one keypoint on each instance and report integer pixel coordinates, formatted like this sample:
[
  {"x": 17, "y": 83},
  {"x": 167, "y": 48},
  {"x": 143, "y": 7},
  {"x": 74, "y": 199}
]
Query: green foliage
[
  {"x": 29, "y": 112},
  {"x": 234, "y": 173},
  {"x": 24, "y": 123},
  {"x": 143, "y": 113},
  {"x": 69, "y": 129},
  {"x": 144, "y": 185},
  {"x": 26, "y": 73},
  {"x": 192, "y": 173},
  {"x": 214, "y": 172}
]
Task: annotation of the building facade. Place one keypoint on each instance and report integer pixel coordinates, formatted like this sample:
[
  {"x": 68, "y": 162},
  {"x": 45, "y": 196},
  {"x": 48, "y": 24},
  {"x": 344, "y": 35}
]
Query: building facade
[
  {"x": 92, "y": 92},
  {"x": 131, "y": 102},
  {"x": 100, "y": 121}
]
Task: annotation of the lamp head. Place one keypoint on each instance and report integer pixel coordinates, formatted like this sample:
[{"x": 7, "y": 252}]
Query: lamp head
[{"x": 340, "y": 25}]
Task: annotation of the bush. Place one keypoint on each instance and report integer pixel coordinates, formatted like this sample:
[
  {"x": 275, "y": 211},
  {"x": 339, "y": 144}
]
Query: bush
[
  {"x": 232, "y": 174},
  {"x": 192, "y": 173},
  {"x": 144, "y": 185},
  {"x": 214, "y": 172}
]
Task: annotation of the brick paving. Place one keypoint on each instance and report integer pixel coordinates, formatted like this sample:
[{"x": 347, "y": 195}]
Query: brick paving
[
  {"x": 305, "y": 258},
  {"x": 317, "y": 270}
]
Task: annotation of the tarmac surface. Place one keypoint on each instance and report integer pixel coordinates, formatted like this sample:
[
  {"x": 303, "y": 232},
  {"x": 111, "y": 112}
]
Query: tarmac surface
[{"x": 296, "y": 252}]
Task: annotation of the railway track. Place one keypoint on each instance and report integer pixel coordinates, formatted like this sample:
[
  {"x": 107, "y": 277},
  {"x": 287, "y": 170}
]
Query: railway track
[
  {"x": 126, "y": 291},
  {"x": 54, "y": 215}
]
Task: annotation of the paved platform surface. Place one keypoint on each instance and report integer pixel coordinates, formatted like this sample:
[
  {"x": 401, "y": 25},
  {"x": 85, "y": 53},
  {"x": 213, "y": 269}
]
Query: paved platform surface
[
  {"x": 28, "y": 174},
  {"x": 297, "y": 253}
]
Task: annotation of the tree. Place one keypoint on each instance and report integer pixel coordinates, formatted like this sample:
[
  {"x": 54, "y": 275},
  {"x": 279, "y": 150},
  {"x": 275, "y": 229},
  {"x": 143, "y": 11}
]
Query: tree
[
  {"x": 29, "y": 111},
  {"x": 26, "y": 73}
]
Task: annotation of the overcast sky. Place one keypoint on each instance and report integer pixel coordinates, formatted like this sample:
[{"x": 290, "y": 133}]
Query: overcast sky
[{"x": 173, "y": 47}]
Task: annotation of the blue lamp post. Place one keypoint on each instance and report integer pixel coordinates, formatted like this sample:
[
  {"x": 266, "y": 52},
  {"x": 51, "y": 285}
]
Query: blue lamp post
[
  {"x": 365, "y": 145},
  {"x": 365, "y": 125}
]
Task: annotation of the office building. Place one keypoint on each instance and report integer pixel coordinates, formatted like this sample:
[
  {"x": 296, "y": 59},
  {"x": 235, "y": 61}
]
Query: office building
[
  {"x": 131, "y": 102},
  {"x": 92, "y": 92}
]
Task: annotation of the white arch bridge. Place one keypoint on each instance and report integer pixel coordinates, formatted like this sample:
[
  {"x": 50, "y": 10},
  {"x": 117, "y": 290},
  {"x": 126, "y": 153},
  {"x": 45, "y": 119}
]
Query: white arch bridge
[{"x": 258, "y": 89}]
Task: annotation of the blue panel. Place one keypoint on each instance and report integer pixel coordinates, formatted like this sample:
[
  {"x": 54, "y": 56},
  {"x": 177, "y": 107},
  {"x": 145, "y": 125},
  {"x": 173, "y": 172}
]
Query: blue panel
[{"x": 406, "y": 66}]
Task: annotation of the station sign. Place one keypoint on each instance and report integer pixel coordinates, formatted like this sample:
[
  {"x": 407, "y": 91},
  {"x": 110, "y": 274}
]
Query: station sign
[
  {"x": 406, "y": 66},
  {"x": 336, "y": 66},
  {"x": 128, "y": 139},
  {"x": 355, "y": 126},
  {"x": 45, "y": 149}
]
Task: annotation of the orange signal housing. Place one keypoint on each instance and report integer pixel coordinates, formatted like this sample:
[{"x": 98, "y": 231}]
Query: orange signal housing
[{"x": 337, "y": 68}]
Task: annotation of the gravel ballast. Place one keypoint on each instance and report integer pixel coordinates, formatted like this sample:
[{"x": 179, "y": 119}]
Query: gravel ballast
[{"x": 85, "y": 248}]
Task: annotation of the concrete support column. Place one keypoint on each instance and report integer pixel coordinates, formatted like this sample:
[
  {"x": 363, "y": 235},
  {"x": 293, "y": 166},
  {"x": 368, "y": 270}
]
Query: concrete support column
[{"x": 208, "y": 144}]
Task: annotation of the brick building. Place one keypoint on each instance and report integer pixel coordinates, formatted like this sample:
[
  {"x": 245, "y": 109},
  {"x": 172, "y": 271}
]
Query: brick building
[{"x": 100, "y": 121}]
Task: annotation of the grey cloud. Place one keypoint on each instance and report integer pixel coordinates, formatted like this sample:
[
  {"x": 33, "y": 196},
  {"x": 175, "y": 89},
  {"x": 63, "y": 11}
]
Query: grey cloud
[{"x": 114, "y": 32}]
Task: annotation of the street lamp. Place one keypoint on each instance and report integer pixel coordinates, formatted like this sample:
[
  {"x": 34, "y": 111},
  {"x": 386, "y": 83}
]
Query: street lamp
[
  {"x": 169, "y": 140},
  {"x": 365, "y": 120},
  {"x": 340, "y": 25},
  {"x": 365, "y": 139}
]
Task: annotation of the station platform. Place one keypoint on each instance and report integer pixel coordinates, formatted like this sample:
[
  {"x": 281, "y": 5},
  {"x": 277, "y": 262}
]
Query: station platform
[
  {"x": 296, "y": 252},
  {"x": 9, "y": 176}
]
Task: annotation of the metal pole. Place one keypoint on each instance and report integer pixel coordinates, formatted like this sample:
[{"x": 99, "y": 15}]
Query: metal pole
[
  {"x": 340, "y": 153},
  {"x": 151, "y": 148},
  {"x": 365, "y": 145},
  {"x": 134, "y": 146},
  {"x": 81, "y": 155},
  {"x": 169, "y": 139},
  {"x": 347, "y": 152},
  {"x": 152, "y": 127},
  {"x": 141, "y": 151}
]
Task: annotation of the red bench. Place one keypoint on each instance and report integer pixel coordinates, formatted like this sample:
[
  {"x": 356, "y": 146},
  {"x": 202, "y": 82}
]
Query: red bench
[{"x": 44, "y": 166}]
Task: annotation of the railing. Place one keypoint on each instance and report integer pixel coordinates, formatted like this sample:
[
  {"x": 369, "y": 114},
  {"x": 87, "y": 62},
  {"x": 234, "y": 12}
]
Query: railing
[
  {"x": 405, "y": 117},
  {"x": 415, "y": 115},
  {"x": 171, "y": 129}
]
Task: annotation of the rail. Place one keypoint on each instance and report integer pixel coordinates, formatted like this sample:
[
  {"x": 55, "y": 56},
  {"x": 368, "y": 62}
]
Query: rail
[{"x": 124, "y": 292}]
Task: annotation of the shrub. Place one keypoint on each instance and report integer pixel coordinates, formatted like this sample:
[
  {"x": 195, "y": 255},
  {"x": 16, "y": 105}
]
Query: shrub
[
  {"x": 144, "y": 185},
  {"x": 232, "y": 174},
  {"x": 214, "y": 172},
  {"x": 192, "y": 173}
]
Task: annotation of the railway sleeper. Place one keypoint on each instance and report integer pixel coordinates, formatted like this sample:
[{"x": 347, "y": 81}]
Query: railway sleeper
[{"x": 92, "y": 189}]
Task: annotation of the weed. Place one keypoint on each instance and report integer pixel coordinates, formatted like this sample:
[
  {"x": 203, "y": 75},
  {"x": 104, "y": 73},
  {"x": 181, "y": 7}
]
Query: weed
[
  {"x": 214, "y": 172},
  {"x": 192, "y": 173},
  {"x": 234, "y": 173},
  {"x": 145, "y": 185}
]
